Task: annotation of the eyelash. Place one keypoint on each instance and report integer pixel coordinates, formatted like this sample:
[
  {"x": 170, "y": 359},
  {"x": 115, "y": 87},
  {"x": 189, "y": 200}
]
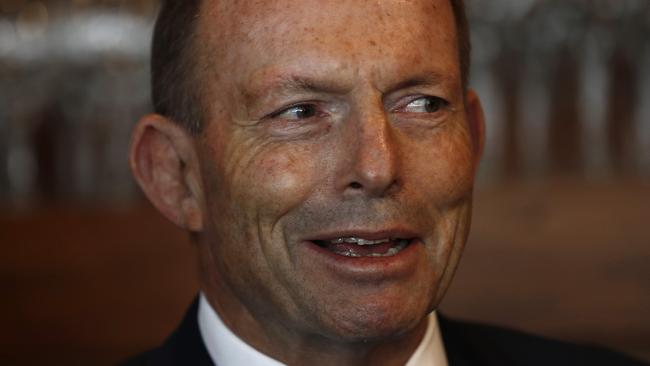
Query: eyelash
[
  {"x": 441, "y": 103},
  {"x": 309, "y": 106}
]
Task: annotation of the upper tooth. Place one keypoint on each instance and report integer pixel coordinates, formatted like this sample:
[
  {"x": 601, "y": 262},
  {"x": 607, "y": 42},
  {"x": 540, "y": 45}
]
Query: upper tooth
[
  {"x": 372, "y": 242},
  {"x": 359, "y": 241}
]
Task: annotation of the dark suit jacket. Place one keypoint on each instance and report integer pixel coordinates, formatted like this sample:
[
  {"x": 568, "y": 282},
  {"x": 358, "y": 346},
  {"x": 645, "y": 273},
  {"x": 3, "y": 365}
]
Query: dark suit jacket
[{"x": 465, "y": 344}]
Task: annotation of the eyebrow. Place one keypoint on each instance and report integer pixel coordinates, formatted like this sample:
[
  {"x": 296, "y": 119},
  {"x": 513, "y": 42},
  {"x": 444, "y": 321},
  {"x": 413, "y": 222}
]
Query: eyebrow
[
  {"x": 426, "y": 79},
  {"x": 291, "y": 84}
]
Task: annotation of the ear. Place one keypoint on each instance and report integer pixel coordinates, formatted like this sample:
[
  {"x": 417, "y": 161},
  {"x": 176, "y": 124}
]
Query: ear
[
  {"x": 164, "y": 162},
  {"x": 476, "y": 121}
]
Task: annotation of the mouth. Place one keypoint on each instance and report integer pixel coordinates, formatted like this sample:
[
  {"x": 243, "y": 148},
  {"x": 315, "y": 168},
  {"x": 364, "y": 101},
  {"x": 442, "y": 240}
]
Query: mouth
[{"x": 358, "y": 247}]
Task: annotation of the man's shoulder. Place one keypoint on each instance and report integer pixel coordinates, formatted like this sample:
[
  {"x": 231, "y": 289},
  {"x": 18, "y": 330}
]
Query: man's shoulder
[
  {"x": 184, "y": 347},
  {"x": 479, "y": 344}
]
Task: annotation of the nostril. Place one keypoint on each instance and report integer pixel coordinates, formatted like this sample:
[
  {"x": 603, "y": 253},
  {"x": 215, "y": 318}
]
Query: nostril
[{"x": 356, "y": 185}]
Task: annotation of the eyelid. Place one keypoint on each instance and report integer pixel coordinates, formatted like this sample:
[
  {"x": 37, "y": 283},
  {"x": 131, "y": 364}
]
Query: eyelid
[
  {"x": 405, "y": 101},
  {"x": 280, "y": 111}
]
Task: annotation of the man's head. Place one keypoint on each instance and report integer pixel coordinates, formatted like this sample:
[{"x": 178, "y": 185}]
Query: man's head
[{"x": 330, "y": 186}]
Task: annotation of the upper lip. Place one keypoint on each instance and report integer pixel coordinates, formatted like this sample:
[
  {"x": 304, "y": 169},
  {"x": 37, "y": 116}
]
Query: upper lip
[{"x": 364, "y": 234}]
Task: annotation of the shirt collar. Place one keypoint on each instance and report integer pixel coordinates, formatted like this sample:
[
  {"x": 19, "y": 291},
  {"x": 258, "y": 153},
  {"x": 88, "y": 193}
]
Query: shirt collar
[
  {"x": 430, "y": 351},
  {"x": 226, "y": 349}
]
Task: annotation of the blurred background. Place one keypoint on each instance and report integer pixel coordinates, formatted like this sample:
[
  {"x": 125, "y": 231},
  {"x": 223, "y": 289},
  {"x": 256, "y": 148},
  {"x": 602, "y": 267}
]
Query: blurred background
[{"x": 560, "y": 245}]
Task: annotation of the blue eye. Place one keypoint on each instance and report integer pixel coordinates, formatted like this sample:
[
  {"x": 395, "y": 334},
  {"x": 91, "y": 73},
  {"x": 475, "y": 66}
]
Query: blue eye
[
  {"x": 426, "y": 105},
  {"x": 298, "y": 112}
]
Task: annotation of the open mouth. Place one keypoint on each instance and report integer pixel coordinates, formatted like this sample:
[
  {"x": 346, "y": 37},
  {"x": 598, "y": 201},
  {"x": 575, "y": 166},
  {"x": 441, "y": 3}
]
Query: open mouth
[{"x": 359, "y": 247}]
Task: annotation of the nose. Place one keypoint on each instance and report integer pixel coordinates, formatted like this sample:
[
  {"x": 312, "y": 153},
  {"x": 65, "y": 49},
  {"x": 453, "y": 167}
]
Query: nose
[{"x": 372, "y": 163}]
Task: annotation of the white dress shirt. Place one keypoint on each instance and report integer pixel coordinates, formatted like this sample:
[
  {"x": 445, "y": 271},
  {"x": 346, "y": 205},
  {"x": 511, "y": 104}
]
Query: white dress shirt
[{"x": 226, "y": 349}]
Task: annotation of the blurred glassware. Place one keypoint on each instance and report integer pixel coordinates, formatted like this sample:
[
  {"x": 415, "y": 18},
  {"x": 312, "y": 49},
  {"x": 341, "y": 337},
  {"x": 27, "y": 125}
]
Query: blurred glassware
[
  {"x": 73, "y": 85},
  {"x": 564, "y": 83}
]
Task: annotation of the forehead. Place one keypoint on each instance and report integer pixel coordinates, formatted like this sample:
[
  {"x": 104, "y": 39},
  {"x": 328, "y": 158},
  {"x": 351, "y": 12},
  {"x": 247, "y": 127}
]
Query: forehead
[{"x": 248, "y": 39}]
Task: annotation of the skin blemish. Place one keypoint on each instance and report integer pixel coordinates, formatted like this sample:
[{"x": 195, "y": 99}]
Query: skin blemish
[{"x": 273, "y": 186}]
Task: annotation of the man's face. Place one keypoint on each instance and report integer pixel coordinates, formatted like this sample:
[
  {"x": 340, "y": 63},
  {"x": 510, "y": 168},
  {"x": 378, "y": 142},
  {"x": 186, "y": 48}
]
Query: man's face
[{"x": 327, "y": 122}]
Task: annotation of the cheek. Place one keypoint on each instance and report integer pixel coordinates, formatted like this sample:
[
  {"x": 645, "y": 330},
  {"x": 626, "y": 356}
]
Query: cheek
[
  {"x": 282, "y": 179},
  {"x": 446, "y": 165},
  {"x": 458, "y": 163}
]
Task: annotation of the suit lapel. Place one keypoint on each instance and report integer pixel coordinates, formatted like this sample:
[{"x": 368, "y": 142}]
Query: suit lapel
[{"x": 185, "y": 346}]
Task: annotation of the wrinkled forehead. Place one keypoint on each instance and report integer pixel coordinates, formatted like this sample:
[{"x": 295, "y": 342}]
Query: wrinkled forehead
[
  {"x": 232, "y": 28},
  {"x": 249, "y": 17}
]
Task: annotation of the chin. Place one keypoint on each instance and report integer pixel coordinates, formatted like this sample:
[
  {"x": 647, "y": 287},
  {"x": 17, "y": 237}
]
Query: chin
[
  {"x": 376, "y": 322},
  {"x": 372, "y": 332}
]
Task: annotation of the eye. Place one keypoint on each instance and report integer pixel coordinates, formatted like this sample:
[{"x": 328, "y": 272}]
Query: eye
[
  {"x": 297, "y": 112},
  {"x": 426, "y": 105}
]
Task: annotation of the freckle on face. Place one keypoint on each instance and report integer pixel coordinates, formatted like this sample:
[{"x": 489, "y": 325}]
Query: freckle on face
[{"x": 289, "y": 190}]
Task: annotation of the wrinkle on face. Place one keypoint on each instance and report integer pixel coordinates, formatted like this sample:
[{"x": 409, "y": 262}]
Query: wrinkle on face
[
  {"x": 260, "y": 23},
  {"x": 267, "y": 192}
]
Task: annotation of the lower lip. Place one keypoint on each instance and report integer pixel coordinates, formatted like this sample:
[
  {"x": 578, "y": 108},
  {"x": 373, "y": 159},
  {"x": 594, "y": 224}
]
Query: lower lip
[{"x": 369, "y": 268}]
